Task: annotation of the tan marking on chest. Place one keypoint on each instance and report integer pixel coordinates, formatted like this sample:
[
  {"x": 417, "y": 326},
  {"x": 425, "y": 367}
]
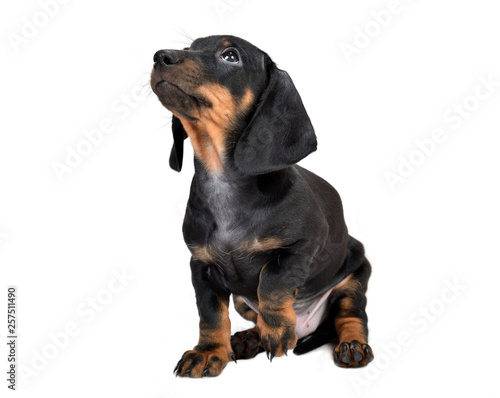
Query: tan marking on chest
[
  {"x": 263, "y": 244},
  {"x": 210, "y": 254},
  {"x": 202, "y": 253}
]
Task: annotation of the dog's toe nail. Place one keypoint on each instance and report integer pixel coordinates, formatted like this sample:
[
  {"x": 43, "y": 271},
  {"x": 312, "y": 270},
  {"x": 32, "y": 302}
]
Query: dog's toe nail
[{"x": 345, "y": 358}]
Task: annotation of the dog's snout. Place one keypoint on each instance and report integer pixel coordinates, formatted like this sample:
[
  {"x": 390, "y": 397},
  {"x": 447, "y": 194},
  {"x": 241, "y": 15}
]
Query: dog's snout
[{"x": 166, "y": 57}]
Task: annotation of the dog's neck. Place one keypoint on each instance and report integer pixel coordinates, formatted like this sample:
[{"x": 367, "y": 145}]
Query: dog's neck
[
  {"x": 222, "y": 185},
  {"x": 225, "y": 195},
  {"x": 237, "y": 182}
]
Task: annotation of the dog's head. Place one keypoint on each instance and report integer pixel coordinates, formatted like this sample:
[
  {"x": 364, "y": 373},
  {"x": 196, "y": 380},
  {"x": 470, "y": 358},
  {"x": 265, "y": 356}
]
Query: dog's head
[{"x": 235, "y": 105}]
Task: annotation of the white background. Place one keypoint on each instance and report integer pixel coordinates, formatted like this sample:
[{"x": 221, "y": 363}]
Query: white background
[{"x": 121, "y": 208}]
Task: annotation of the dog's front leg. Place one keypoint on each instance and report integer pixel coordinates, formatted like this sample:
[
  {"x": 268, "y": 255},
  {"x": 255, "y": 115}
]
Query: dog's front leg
[
  {"x": 213, "y": 351},
  {"x": 276, "y": 320}
]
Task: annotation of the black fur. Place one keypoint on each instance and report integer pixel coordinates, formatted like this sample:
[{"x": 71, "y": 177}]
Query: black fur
[
  {"x": 177, "y": 153},
  {"x": 280, "y": 132},
  {"x": 260, "y": 193}
]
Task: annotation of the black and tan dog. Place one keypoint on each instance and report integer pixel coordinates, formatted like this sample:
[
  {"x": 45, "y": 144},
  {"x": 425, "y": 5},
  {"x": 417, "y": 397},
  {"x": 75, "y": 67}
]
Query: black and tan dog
[{"x": 258, "y": 226}]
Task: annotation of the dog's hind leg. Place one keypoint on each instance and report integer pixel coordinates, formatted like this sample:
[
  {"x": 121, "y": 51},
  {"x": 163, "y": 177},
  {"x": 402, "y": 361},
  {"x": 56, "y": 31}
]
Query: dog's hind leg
[
  {"x": 244, "y": 310},
  {"x": 245, "y": 344},
  {"x": 350, "y": 320}
]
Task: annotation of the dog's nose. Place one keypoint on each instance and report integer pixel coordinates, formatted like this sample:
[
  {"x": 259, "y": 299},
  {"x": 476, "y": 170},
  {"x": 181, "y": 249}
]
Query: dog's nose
[{"x": 166, "y": 57}]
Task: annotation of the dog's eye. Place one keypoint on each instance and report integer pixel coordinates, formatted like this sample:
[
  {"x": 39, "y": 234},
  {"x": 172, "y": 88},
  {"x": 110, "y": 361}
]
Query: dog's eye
[{"x": 230, "y": 56}]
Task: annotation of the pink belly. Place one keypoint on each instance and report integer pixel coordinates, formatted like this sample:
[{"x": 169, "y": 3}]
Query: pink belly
[{"x": 308, "y": 318}]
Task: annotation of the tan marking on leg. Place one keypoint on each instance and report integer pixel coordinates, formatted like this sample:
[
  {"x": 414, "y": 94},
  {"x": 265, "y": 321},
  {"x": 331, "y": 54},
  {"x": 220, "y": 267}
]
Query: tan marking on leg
[
  {"x": 282, "y": 328},
  {"x": 346, "y": 305},
  {"x": 220, "y": 335},
  {"x": 350, "y": 328},
  {"x": 244, "y": 310},
  {"x": 213, "y": 351},
  {"x": 347, "y": 285}
]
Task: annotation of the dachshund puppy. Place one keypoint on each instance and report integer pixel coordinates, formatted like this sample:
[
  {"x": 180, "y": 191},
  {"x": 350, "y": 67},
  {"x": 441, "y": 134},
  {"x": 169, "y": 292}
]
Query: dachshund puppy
[{"x": 258, "y": 226}]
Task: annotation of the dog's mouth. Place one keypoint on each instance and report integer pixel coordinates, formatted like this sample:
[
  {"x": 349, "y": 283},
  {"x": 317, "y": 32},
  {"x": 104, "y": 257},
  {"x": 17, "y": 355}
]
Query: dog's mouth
[
  {"x": 173, "y": 93},
  {"x": 165, "y": 87},
  {"x": 168, "y": 90}
]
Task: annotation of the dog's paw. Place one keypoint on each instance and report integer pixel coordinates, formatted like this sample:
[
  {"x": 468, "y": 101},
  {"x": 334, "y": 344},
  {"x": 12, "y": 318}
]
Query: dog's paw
[
  {"x": 352, "y": 355},
  {"x": 246, "y": 344},
  {"x": 277, "y": 339},
  {"x": 209, "y": 363}
]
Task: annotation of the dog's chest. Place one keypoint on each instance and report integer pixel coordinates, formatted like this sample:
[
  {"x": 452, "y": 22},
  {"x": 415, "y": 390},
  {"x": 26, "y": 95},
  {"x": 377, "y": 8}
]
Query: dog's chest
[
  {"x": 237, "y": 266},
  {"x": 237, "y": 244},
  {"x": 224, "y": 202}
]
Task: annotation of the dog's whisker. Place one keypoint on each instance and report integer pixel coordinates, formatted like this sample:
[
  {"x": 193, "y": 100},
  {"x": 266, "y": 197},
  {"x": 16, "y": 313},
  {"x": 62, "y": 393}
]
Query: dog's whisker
[
  {"x": 147, "y": 88},
  {"x": 165, "y": 125},
  {"x": 185, "y": 35}
]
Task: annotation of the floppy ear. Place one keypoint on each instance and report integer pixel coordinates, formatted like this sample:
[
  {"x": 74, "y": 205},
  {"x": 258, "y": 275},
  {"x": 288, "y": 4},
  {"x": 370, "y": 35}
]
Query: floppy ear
[
  {"x": 280, "y": 132},
  {"x": 178, "y": 148}
]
